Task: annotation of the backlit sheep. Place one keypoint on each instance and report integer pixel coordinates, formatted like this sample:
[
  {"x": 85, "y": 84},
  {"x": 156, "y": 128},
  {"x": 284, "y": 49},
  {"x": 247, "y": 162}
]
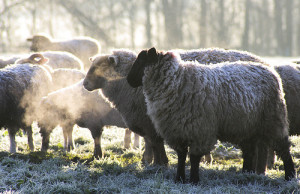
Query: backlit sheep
[
  {"x": 74, "y": 105},
  {"x": 193, "y": 105},
  {"x": 83, "y": 47},
  {"x": 21, "y": 85}
]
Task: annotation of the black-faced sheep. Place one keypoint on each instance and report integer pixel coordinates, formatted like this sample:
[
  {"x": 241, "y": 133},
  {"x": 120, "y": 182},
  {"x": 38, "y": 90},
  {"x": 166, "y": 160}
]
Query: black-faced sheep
[
  {"x": 74, "y": 105},
  {"x": 193, "y": 105},
  {"x": 83, "y": 48},
  {"x": 21, "y": 85}
]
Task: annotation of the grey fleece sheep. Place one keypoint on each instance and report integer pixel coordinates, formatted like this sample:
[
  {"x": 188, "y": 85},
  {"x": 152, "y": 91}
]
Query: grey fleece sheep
[
  {"x": 128, "y": 101},
  {"x": 21, "y": 85},
  {"x": 116, "y": 66},
  {"x": 193, "y": 105},
  {"x": 74, "y": 105},
  {"x": 83, "y": 47},
  {"x": 290, "y": 75}
]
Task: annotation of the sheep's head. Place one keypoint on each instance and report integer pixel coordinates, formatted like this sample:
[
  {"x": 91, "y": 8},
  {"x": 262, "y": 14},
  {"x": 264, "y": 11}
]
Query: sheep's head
[
  {"x": 39, "y": 43},
  {"x": 144, "y": 59},
  {"x": 103, "y": 69},
  {"x": 36, "y": 59}
]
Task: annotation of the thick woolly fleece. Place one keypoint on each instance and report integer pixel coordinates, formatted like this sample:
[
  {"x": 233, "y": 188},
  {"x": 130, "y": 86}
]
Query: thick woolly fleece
[
  {"x": 290, "y": 75},
  {"x": 230, "y": 101},
  {"x": 193, "y": 105},
  {"x": 124, "y": 97},
  {"x": 21, "y": 85}
]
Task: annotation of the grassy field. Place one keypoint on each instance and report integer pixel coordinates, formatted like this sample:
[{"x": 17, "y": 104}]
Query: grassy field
[{"x": 120, "y": 170}]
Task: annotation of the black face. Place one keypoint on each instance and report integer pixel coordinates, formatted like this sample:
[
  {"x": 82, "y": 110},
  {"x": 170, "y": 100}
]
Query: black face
[
  {"x": 136, "y": 72},
  {"x": 145, "y": 58}
]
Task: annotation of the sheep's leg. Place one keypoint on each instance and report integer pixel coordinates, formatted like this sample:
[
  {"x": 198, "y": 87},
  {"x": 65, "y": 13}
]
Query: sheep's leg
[
  {"x": 136, "y": 143},
  {"x": 148, "y": 153},
  {"x": 160, "y": 156},
  {"x": 97, "y": 142},
  {"x": 248, "y": 149},
  {"x": 29, "y": 138},
  {"x": 194, "y": 173},
  {"x": 12, "y": 138},
  {"x": 180, "y": 176},
  {"x": 282, "y": 148},
  {"x": 70, "y": 138},
  {"x": 262, "y": 156},
  {"x": 127, "y": 138},
  {"x": 45, "y": 139},
  {"x": 271, "y": 158},
  {"x": 65, "y": 134},
  {"x": 208, "y": 158}
]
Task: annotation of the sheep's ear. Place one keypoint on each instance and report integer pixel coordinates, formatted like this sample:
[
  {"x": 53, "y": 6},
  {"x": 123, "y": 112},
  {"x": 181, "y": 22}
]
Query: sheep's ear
[
  {"x": 29, "y": 39},
  {"x": 152, "y": 55},
  {"x": 92, "y": 59},
  {"x": 113, "y": 60}
]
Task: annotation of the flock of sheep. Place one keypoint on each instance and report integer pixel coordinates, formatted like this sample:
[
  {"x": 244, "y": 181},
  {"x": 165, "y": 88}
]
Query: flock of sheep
[{"x": 186, "y": 98}]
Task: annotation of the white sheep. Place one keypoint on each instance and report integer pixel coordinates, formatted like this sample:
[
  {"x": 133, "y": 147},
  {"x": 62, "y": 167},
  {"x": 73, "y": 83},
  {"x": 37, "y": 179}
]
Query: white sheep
[
  {"x": 61, "y": 77},
  {"x": 193, "y": 105},
  {"x": 83, "y": 47},
  {"x": 74, "y": 105}
]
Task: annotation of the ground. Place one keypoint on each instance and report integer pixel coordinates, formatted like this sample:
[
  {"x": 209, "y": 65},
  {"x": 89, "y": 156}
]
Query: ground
[{"x": 120, "y": 170}]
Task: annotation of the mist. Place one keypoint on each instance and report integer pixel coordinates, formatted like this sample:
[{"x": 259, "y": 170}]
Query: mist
[{"x": 265, "y": 27}]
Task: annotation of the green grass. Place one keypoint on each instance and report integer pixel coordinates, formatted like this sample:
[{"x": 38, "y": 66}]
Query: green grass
[{"x": 120, "y": 170}]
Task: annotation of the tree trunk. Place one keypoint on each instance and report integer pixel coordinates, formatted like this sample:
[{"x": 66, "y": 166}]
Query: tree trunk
[
  {"x": 203, "y": 24},
  {"x": 173, "y": 25},
  {"x": 245, "y": 38},
  {"x": 278, "y": 27},
  {"x": 289, "y": 28},
  {"x": 148, "y": 24}
]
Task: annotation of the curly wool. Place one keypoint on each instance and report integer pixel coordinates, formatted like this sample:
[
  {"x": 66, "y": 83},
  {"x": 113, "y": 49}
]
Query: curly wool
[
  {"x": 21, "y": 85},
  {"x": 229, "y": 101},
  {"x": 290, "y": 75}
]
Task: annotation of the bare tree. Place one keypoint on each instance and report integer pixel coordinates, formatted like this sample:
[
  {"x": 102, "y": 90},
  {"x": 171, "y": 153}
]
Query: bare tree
[
  {"x": 245, "y": 38},
  {"x": 203, "y": 24},
  {"x": 173, "y": 21}
]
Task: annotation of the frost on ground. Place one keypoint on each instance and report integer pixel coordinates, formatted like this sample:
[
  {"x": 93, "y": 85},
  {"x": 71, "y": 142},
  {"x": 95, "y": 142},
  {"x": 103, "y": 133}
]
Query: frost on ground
[{"x": 120, "y": 170}]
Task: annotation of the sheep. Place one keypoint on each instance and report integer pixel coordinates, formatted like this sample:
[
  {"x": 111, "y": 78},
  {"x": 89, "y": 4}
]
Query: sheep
[
  {"x": 74, "y": 105},
  {"x": 118, "y": 64},
  {"x": 192, "y": 105},
  {"x": 4, "y": 61},
  {"x": 129, "y": 102},
  {"x": 127, "y": 139},
  {"x": 290, "y": 76},
  {"x": 61, "y": 77},
  {"x": 20, "y": 87},
  {"x": 83, "y": 47}
]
